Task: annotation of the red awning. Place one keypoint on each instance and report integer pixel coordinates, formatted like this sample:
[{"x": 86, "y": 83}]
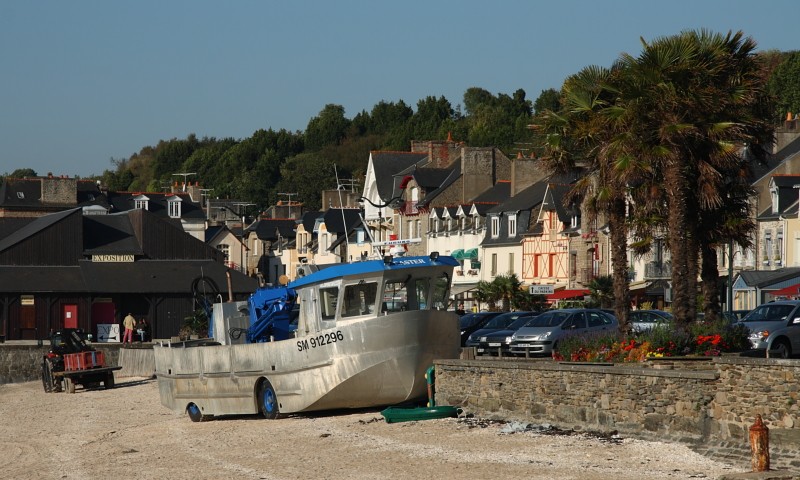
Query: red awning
[
  {"x": 565, "y": 294},
  {"x": 787, "y": 291}
]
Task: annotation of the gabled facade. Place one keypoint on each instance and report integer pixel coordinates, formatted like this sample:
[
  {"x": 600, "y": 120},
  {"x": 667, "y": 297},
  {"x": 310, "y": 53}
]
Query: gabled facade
[
  {"x": 547, "y": 257},
  {"x": 230, "y": 245},
  {"x": 266, "y": 239}
]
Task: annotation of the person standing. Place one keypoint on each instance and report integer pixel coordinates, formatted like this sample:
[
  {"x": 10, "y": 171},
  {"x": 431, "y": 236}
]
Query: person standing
[{"x": 129, "y": 323}]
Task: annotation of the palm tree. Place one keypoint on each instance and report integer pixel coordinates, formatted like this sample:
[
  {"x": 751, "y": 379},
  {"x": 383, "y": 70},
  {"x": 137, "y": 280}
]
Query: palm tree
[
  {"x": 586, "y": 133},
  {"x": 688, "y": 101},
  {"x": 506, "y": 287}
]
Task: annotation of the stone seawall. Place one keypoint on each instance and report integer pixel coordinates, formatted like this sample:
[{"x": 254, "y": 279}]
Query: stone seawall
[
  {"x": 709, "y": 405},
  {"x": 23, "y": 362}
]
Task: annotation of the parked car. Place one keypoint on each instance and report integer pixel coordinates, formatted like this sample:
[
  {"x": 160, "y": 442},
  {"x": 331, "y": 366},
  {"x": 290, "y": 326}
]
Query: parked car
[
  {"x": 473, "y": 321},
  {"x": 775, "y": 328},
  {"x": 735, "y": 315},
  {"x": 541, "y": 335},
  {"x": 644, "y": 320},
  {"x": 493, "y": 335}
]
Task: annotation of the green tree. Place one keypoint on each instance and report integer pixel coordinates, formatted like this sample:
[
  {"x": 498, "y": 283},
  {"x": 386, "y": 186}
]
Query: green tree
[
  {"x": 327, "y": 128},
  {"x": 506, "y": 287},
  {"x": 585, "y": 134},
  {"x": 549, "y": 99},
  {"x": 22, "y": 173},
  {"x": 784, "y": 85},
  {"x": 601, "y": 290},
  {"x": 687, "y": 101}
]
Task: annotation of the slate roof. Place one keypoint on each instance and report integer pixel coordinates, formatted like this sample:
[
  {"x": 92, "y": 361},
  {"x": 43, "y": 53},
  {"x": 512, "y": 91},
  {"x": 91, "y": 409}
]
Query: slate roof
[
  {"x": 788, "y": 197},
  {"x": 435, "y": 180},
  {"x": 344, "y": 226},
  {"x": 26, "y": 193},
  {"x": 267, "y": 229},
  {"x": 339, "y": 221},
  {"x": 500, "y": 192},
  {"x": 157, "y": 204},
  {"x": 37, "y": 225},
  {"x": 766, "y": 278},
  {"x": 387, "y": 164},
  {"x": 110, "y": 234},
  {"x": 759, "y": 169},
  {"x": 9, "y": 225}
]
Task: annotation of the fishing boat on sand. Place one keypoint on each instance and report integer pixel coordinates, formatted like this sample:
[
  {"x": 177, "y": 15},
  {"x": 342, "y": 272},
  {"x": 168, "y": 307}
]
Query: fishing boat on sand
[{"x": 351, "y": 335}]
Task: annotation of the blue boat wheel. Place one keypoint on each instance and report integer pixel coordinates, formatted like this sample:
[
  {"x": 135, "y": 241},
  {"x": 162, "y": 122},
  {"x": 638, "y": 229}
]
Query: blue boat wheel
[{"x": 268, "y": 401}]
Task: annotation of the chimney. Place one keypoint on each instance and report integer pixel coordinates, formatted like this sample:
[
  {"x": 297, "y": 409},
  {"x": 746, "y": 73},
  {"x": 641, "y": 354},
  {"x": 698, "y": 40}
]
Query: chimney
[{"x": 525, "y": 172}]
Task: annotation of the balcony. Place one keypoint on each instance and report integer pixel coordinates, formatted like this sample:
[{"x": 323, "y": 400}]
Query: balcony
[{"x": 654, "y": 270}]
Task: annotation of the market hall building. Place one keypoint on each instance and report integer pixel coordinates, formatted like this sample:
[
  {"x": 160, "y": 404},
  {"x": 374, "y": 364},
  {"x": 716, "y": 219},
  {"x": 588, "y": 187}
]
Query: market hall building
[{"x": 67, "y": 269}]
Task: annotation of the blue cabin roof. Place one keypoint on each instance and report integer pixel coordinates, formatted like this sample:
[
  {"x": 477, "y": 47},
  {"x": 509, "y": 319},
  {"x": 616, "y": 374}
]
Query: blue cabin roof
[{"x": 340, "y": 270}]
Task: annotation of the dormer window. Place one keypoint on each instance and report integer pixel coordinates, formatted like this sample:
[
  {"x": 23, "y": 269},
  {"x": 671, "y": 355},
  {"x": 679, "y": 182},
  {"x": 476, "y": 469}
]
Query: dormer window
[
  {"x": 141, "y": 202},
  {"x": 512, "y": 225},
  {"x": 573, "y": 223},
  {"x": 495, "y": 227},
  {"x": 21, "y": 195},
  {"x": 774, "y": 193},
  {"x": 174, "y": 204}
]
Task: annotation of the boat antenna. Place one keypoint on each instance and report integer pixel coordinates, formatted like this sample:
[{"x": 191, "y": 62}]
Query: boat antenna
[{"x": 344, "y": 220}]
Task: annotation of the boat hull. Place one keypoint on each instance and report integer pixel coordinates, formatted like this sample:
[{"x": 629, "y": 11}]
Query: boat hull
[{"x": 369, "y": 362}]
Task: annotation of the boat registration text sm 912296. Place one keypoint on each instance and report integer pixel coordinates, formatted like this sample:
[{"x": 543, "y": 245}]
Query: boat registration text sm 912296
[{"x": 320, "y": 340}]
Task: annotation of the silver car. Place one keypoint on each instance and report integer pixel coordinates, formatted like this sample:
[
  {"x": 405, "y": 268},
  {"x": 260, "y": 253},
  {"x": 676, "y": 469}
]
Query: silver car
[
  {"x": 775, "y": 328},
  {"x": 541, "y": 335}
]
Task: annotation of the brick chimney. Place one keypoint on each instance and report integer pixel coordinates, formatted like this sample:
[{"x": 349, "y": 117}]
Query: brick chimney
[
  {"x": 59, "y": 190},
  {"x": 441, "y": 153},
  {"x": 525, "y": 171}
]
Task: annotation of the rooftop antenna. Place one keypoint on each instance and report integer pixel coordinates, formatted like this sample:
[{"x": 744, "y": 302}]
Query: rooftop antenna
[
  {"x": 204, "y": 192},
  {"x": 185, "y": 177}
]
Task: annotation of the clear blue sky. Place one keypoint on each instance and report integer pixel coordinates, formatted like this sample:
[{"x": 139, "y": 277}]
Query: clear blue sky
[{"x": 82, "y": 82}]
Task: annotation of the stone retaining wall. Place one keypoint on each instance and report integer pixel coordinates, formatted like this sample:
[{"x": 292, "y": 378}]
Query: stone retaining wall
[
  {"x": 23, "y": 363},
  {"x": 709, "y": 405}
]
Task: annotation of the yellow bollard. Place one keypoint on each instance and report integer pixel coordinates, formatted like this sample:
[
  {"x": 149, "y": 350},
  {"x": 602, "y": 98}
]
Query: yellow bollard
[{"x": 759, "y": 444}]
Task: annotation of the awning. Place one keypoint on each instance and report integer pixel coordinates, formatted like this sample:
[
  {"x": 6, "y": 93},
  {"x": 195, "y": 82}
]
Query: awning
[
  {"x": 565, "y": 294},
  {"x": 458, "y": 254},
  {"x": 459, "y": 288},
  {"x": 790, "y": 291},
  {"x": 471, "y": 253}
]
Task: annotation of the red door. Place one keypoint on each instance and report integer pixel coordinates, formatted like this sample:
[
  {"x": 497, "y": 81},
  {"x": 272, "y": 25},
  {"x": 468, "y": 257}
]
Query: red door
[{"x": 69, "y": 315}]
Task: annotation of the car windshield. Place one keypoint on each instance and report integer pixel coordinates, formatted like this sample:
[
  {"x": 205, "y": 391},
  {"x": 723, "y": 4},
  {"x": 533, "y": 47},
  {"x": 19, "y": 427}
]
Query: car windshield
[
  {"x": 470, "y": 320},
  {"x": 769, "y": 313},
  {"x": 504, "y": 320},
  {"x": 550, "y": 319}
]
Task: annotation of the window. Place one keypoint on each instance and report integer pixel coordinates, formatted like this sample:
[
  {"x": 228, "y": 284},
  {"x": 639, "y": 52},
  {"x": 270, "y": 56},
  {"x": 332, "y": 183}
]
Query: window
[
  {"x": 328, "y": 298},
  {"x": 174, "y": 204},
  {"x": 476, "y": 223},
  {"x": 495, "y": 227},
  {"x": 225, "y": 249},
  {"x": 774, "y": 192},
  {"x": 360, "y": 236},
  {"x": 21, "y": 195},
  {"x": 359, "y": 299},
  {"x": 395, "y": 298},
  {"x": 511, "y": 262},
  {"x": 323, "y": 244},
  {"x": 494, "y": 264},
  {"x": 411, "y": 229},
  {"x": 140, "y": 204},
  {"x": 512, "y": 225}
]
